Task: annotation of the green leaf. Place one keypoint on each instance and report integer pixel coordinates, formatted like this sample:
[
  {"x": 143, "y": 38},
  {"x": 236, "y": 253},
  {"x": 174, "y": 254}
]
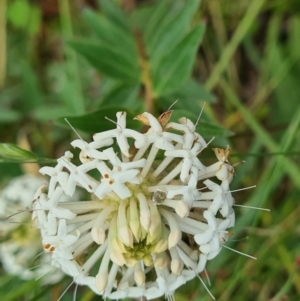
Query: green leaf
[
  {"x": 160, "y": 15},
  {"x": 191, "y": 96},
  {"x": 176, "y": 67},
  {"x": 115, "y": 13},
  {"x": 96, "y": 121},
  {"x": 107, "y": 60},
  {"x": 15, "y": 153},
  {"x": 173, "y": 32},
  {"x": 10, "y": 153},
  {"x": 111, "y": 34},
  {"x": 122, "y": 94},
  {"x": 205, "y": 129}
]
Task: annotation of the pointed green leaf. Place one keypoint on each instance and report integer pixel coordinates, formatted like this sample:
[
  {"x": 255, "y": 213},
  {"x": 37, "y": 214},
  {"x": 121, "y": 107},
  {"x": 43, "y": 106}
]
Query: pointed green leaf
[
  {"x": 173, "y": 32},
  {"x": 115, "y": 13},
  {"x": 160, "y": 12},
  {"x": 13, "y": 152},
  {"x": 107, "y": 60},
  {"x": 10, "y": 153},
  {"x": 123, "y": 95},
  {"x": 111, "y": 34},
  {"x": 176, "y": 67}
]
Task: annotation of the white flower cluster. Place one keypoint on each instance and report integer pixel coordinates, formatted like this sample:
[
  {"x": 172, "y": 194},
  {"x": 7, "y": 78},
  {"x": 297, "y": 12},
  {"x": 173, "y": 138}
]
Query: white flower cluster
[
  {"x": 21, "y": 245},
  {"x": 153, "y": 217}
]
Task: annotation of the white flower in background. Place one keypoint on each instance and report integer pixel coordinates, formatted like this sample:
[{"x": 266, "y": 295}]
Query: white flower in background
[
  {"x": 153, "y": 218},
  {"x": 21, "y": 244}
]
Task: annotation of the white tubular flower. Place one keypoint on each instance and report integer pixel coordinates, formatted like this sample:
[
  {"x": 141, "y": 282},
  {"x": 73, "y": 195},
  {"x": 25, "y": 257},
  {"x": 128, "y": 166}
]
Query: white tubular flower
[
  {"x": 19, "y": 252},
  {"x": 88, "y": 150},
  {"x": 142, "y": 211},
  {"x": 61, "y": 241},
  {"x": 190, "y": 136},
  {"x": 121, "y": 134},
  {"x": 189, "y": 159},
  {"x": 211, "y": 240},
  {"x": 156, "y": 135},
  {"x": 56, "y": 174}
]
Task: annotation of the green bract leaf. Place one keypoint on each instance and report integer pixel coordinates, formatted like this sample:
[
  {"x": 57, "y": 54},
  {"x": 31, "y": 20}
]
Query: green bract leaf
[
  {"x": 96, "y": 122},
  {"x": 107, "y": 60},
  {"x": 15, "y": 153},
  {"x": 176, "y": 67},
  {"x": 10, "y": 153}
]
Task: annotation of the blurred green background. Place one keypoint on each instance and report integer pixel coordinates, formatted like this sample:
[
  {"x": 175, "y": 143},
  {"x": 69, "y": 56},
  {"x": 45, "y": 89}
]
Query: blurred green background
[{"x": 86, "y": 59}]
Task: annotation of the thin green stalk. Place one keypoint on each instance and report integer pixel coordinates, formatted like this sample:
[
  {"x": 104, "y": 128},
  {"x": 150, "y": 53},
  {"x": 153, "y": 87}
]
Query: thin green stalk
[
  {"x": 77, "y": 103},
  {"x": 230, "y": 48}
]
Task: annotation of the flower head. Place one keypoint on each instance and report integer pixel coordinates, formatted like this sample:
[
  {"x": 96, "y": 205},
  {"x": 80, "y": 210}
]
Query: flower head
[
  {"x": 132, "y": 236},
  {"x": 22, "y": 246}
]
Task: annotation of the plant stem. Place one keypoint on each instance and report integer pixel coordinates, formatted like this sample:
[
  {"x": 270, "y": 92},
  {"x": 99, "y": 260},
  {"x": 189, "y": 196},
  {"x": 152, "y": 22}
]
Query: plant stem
[{"x": 146, "y": 73}]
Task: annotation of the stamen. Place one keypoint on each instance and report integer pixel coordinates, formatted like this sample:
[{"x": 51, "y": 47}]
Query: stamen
[
  {"x": 233, "y": 250},
  {"x": 113, "y": 122},
  {"x": 198, "y": 119},
  {"x": 250, "y": 207},
  {"x": 241, "y": 189},
  {"x": 212, "y": 296},
  {"x": 75, "y": 292},
  {"x": 66, "y": 290},
  {"x": 67, "y": 121},
  {"x": 207, "y": 276}
]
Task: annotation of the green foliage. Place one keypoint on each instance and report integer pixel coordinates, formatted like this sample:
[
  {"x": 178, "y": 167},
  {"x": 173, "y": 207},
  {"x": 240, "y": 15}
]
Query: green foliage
[
  {"x": 107, "y": 60},
  {"x": 175, "y": 67},
  {"x": 13, "y": 153},
  {"x": 160, "y": 53}
]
